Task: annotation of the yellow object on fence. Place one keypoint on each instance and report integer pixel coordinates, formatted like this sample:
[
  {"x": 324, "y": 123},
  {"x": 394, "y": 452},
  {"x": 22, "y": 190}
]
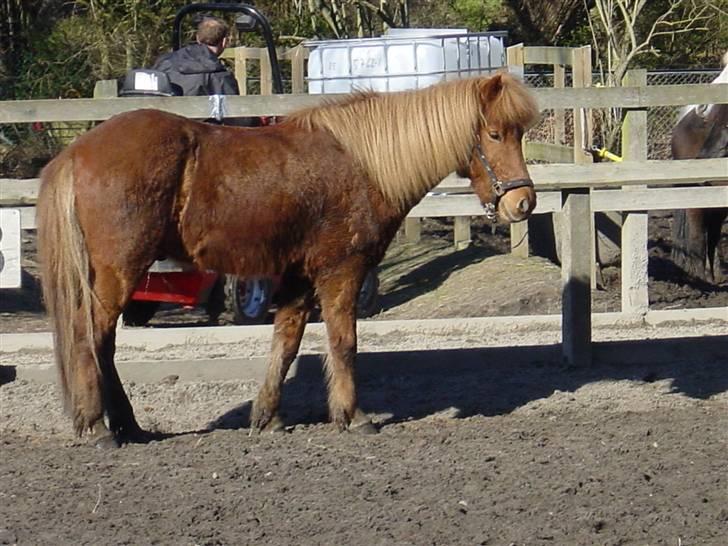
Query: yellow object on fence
[{"x": 606, "y": 154}]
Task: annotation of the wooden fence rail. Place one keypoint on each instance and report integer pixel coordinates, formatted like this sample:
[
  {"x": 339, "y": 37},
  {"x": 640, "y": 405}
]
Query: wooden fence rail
[
  {"x": 47, "y": 110},
  {"x": 574, "y": 190}
]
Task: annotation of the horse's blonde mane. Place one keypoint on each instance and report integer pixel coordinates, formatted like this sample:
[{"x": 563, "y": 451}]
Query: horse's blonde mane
[{"x": 408, "y": 141}]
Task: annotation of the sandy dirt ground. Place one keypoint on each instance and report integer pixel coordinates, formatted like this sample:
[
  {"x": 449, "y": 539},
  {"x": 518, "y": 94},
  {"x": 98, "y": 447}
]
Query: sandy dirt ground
[
  {"x": 475, "y": 446},
  {"x": 489, "y": 440}
]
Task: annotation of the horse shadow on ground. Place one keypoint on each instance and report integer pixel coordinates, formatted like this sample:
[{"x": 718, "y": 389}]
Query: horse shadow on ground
[
  {"x": 401, "y": 386},
  {"x": 429, "y": 275},
  {"x": 8, "y": 374},
  {"x": 664, "y": 269}
]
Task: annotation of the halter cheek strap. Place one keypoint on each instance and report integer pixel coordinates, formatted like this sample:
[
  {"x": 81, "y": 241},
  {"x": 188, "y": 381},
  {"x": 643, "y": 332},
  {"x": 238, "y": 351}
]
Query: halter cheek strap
[{"x": 499, "y": 187}]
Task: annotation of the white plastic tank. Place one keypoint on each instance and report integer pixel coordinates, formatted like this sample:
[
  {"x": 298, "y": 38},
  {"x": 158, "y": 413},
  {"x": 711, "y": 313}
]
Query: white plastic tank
[{"x": 402, "y": 59}]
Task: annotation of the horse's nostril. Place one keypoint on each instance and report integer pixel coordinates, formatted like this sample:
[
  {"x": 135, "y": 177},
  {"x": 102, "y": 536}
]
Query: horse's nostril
[{"x": 523, "y": 205}]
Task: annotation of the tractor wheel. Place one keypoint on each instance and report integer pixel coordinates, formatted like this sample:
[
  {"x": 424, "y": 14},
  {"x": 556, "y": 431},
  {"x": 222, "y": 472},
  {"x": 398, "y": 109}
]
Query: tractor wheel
[
  {"x": 368, "y": 300},
  {"x": 248, "y": 299},
  {"x": 138, "y": 313}
]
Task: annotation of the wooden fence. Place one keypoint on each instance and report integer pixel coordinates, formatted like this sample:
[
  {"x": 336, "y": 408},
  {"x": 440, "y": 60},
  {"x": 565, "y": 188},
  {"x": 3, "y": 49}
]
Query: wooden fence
[{"x": 576, "y": 190}]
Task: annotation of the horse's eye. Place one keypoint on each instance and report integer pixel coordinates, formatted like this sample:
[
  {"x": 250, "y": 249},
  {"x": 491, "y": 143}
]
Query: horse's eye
[{"x": 495, "y": 136}]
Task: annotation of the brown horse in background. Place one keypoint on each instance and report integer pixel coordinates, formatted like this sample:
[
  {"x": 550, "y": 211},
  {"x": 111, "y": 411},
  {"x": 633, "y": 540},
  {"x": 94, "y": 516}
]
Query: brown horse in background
[
  {"x": 696, "y": 232},
  {"x": 316, "y": 199}
]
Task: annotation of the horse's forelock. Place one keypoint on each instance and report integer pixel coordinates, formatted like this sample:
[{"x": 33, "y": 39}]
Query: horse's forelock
[{"x": 513, "y": 105}]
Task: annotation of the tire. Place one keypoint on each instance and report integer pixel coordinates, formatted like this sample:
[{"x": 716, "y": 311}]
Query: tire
[
  {"x": 139, "y": 313},
  {"x": 248, "y": 299},
  {"x": 368, "y": 301}
]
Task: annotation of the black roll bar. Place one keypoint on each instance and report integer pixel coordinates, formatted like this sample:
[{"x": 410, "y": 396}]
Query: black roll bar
[{"x": 233, "y": 8}]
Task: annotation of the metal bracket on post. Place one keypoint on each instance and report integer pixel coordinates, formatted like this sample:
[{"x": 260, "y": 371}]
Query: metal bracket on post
[{"x": 218, "y": 108}]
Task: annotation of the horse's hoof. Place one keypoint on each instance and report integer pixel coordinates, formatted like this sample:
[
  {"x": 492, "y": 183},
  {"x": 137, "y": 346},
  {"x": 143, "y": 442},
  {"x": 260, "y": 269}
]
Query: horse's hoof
[
  {"x": 361, "y": 424},
  {"x": 106, "y": 441},
  {"x": 274, "y": 425},
  {"x": 264, "y": 420}
]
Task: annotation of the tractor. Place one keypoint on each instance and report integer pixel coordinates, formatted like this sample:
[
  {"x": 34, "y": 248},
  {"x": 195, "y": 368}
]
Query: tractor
[{"x": 250, "y": 300}]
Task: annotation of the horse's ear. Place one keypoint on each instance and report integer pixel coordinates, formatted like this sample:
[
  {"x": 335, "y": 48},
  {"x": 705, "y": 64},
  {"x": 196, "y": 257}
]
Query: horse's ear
[{"x": 491, "y": 88}]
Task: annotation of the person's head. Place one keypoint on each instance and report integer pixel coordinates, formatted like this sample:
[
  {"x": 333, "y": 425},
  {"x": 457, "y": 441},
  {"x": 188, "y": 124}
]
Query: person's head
[{"x": 213, "y": 33}]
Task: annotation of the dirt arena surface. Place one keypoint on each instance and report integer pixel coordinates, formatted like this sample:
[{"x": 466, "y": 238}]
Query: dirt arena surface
[
  {"x": 476, "y": 446},
  {"x": 489, "y": 440}
]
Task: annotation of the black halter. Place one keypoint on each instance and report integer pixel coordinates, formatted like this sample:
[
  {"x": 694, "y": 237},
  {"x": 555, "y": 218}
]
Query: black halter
[{"x": 500, "y": 187}]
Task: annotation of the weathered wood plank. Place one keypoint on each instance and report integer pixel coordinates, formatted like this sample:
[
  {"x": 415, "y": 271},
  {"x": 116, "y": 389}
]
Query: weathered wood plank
[
  {"x": 19, "y": 192},
  {"x": 437, "y": 206},
  {"x": 632, "y": 97},
  {"x": 25, "y": 192},
  {"x": 659, "y": 198},
  {"x": 634, "y": 224},
  {"x": 519, "y": 239},
  {"x": 547, "y": 55},
  {"x": 447, "y": 205},
  {"x": 27, "y": 111},
  {"x": 576, "y": 270},
  {"x": 461, "y": 232},
  {"x": 545, "y": 151},
  {"x": 412, "y": 229},
  {"x": 654, "y": 173}
]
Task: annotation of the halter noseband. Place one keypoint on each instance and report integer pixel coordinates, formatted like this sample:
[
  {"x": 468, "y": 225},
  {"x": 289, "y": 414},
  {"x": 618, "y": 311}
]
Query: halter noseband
[{"x": 500, "y": 187}]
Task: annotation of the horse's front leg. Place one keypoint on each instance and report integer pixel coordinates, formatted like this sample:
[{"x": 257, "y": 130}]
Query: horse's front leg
[
  {"x": 338, "y": 305},
  {"x": 289, "y": 325}
]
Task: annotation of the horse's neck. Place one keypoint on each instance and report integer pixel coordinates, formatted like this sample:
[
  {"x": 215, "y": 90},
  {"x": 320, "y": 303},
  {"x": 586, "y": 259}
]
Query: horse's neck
[{"x": 704, "y": 110}]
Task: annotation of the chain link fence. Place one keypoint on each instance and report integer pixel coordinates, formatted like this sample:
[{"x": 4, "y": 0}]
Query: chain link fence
[{"x": 660, "y": 120}]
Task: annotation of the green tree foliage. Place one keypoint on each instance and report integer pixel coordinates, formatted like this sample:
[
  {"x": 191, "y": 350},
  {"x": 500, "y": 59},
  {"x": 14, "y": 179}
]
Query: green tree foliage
[
  {"x": 59, "y": 48},
  {"x": 63, "y": 56}
]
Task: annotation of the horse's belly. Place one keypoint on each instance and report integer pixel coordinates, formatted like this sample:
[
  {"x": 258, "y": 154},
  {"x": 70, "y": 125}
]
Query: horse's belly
[{"x": 246, "y": 243}]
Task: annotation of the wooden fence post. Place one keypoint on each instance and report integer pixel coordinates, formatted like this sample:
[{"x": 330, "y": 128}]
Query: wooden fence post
[
  {"x": 412, "y": 229},
  {"x": 105, "y": 89},
  {"x": 635, "y": 297},
  {"x": 559, "y": 114},
  {"x": 578, "y": 245},
  {"x": 515, "y": 59},
  {"x": 266, "y": 73},
  {"x": 298, "y": 56},
  {"x": 241, "y": 69},
  {"x": 462, "y": 232},
  {"x": 576, "y": 268},
  {"x": 583, "y": 137}
]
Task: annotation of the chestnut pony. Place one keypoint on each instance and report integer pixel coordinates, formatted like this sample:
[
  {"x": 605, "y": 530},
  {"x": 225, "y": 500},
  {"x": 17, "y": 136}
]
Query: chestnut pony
[{"x": 316, "y": 199}]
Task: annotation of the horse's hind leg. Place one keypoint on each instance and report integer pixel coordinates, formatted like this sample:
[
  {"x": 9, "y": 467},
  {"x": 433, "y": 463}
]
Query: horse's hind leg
[
  {"x": 96, "y": 390},
  {"x": 714, "y": 219},
  {"x": 689, "y": 242},
  {"x": 86, "y": 399},
  {"x": 113, "y": 290},
  {"x": 122, "y": 423},
  {"x": 338, "y": 295},
  {"x": 295, "y": 302}
]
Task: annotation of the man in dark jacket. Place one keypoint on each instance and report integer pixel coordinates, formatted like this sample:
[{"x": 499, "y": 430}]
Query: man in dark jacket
[{"x": 196, "y": 68}]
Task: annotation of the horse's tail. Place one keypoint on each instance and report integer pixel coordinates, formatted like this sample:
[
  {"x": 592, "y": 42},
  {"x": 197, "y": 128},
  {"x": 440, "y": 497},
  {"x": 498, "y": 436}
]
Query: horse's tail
[{"x": 65, "y": 267}]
